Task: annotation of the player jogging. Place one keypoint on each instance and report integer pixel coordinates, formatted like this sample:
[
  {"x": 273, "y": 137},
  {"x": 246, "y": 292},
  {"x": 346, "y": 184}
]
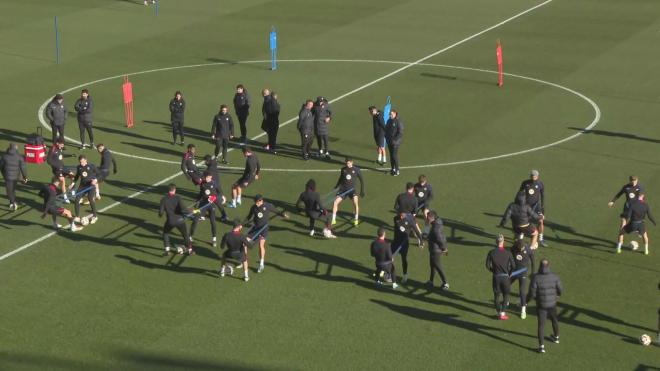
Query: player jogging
[
  {"x": 535, "y": 196},
  {"x": 500, "y": 262},
  {"x": 314, "y": 209},
  {"x": 382, "y": 253},
  {"x": 346, "y": 189},
  {"x": 404, "y": 224},
  {"x": 236, "y": 244},
  {"x": 250, "y": 174},
  {"x": 260, "y": 215},
  {"x": 172, "y": 206},
  {"x": 635, "y": 215}
]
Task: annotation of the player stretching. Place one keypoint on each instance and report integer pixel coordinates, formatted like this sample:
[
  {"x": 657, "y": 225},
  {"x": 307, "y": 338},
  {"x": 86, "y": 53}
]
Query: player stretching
[
  {"x": 637, "y": 212},
  {"x": 522, "y": 215},
  {"x": 236, "y": 244},
  {"x": 250, "y": 174},
  {"x": 382, "y": 252},
  {"x": 404, "y": 223},
  {"x": 533, "y": 188},
  {"x": 210, "y": 197},
  {"x": 379, "y": 133},
  {"x": 51, "y": 206},
  {"x": 172, "y": 206},
  {"x": 260, "y": 215},
  {"x": 314, "y": 210},
  {"x": 188, "y": 166},
  {"x": 632, "y": 190},
  {"x": 346, "y": 189},
  {"x": 86, "y": 172}
]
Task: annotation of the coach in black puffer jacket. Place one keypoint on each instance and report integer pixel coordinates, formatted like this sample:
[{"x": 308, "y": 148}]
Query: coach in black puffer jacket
[
  {"x": 545, "y": 287},
  {"x": 12, "y": 166}
]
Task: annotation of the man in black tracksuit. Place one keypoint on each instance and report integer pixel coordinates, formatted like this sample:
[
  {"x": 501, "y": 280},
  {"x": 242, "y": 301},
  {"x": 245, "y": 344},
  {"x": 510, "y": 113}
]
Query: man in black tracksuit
[
  {"x": 500, "y": 262},
  {"x": 306, "y": 128},
  {"x": 404, "y": 224},
  {"x": 271, "y": 121},
  {"x": 394, "y": 136},
  {"x": 382, "y": 252},
  {"x": 250, "y": 174},
  {"x": 635, "y": 215},
  {"x": 56, "y": 113},
  {"x": 189, "y": 167},
  {"x": 379, "y": 133},
  {"x": 535, "y": 195},
  {"x": 260, "y": 215},
  {"x": 84, "y": 107},
  {"x": 546, "y": 289},
  {"x": 314, "y": 209},
  {"x": 86, "y": 172},
  {"x": 12, "y": 165},
  {"x": 236, "y": 244},
  {"x": 437, "y": 248},
  {"x": 322, "y": 119},
  {"x": 522, "y": 216},
  {"x": 172, "y": 206},
  {"x": 212, "y": 167},
  {"x": 106, "y": 159},
  {"x": 210, "y": 196},
  {"x": 177, "y": 109},
  {"x": 222, "y": 129},
  {"x": 242, "y": 109},
  {"x": 406, "y": 202},
  {"x": 524, "y": 257}
]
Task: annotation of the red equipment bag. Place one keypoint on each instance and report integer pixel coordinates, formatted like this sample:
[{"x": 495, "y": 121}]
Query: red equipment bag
[{"x": 35, "y": 149}]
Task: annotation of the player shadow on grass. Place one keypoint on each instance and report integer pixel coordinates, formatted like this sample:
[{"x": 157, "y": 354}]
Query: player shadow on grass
[
  {"x": 453, "y": 320},
  {"x": 556, "y": 227},
  {"x": 325, "y": 263},
  {"x": 172, "y": 150},
  {"x": 574, "y": 315},
  {"x": 615, "y": 134},
  {"x": 129, "y": 133},
  {"x": 189, "y": 131}
]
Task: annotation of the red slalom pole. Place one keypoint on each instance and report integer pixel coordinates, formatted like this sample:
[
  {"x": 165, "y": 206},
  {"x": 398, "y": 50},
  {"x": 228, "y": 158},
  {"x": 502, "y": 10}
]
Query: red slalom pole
[
  {"x": 500, "y": 67},
  {"x": 127, "y": 88}
]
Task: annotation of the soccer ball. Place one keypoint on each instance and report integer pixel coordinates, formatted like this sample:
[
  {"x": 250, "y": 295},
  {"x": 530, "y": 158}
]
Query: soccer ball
[
  {"x": 179, "y": 250},
  {"x": 645, "y": 340},
  {"x": 634, "y": 245}
]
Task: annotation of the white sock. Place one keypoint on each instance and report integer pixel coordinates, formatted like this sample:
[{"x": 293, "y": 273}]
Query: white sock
[
  {"x": 334, "y": 216},
  {"x": 541, "y": 237},
  {"x": 384, "y": 159},
  {"x": 238, "y": 199},
  {"x": 356, "y": 217},
  {"x": 618, "y": 245},
  {"x": 261, "y": 262}
]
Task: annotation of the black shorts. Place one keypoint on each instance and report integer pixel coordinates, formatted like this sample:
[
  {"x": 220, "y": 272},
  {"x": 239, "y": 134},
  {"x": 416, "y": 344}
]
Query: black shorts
[
  {"x": 537, "y": 208},
  {"x": 528, "y": 230},
  {"x": 55, "y": 210},
  {"x": 262, "y": 235},
  {"x": 234, "y": 255},
  {"x": 102, "y": 174},
  {"x": 423, "y": 205},
  {"x": 243, "y": 182},
  {"x": 638, "y": 227},
  {"x": 380, "y": 140},
  {"x": 344, "y": 194}
]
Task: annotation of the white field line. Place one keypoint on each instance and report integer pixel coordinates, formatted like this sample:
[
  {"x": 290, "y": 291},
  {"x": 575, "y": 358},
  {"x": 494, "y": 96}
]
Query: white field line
[{"x": 405, "y": 67}]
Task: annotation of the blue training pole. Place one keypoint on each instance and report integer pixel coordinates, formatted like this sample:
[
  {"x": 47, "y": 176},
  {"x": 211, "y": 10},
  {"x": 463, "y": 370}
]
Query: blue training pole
[
  {"x": 518, "y": 272},
  {"x": 386, "y": 113},
  {"x": 258, "y": 233},
  {"x": 57, "y": 42},
  {"x": 157, "y": 1},
  {"x": 273, "y": 49}
]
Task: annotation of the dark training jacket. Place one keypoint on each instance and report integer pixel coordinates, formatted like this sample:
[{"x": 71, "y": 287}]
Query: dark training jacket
[
  {"x": 12, "y": 164},
  {"x": 545, "y": 287},
  {"x": 520, "y": 212}
]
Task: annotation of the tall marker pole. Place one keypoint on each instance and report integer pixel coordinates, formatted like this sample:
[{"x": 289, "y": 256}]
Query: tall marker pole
[
  {"x": 57, "y": 42},
  {"x": 273, "y": 48},
  {"x": 157, "y": 1},
  {"x": 500, "y": 67}
]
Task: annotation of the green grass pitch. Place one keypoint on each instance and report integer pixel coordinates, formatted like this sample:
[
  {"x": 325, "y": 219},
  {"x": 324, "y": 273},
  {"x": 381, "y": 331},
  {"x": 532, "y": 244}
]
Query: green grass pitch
[{"x": 105, "y": 298}]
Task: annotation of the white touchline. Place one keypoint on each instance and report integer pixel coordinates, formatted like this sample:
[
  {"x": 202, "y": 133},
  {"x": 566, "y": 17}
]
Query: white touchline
[{"x": 405, "y": 67}]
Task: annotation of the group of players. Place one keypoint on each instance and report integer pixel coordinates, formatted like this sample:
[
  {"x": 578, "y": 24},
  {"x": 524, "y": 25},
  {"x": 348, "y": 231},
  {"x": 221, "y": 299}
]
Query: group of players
[{"x": 526, "y": 212}]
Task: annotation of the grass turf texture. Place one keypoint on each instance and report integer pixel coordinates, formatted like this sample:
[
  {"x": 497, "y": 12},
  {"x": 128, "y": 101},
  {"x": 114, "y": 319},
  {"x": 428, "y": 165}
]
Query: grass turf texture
[{"x": 104, "y": 298}]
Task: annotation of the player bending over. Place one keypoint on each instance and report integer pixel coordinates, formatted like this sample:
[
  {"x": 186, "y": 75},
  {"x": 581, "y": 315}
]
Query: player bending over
[
  {"x": 236, "y": 244},
  {"x": 314, "y": 209},
  {"x": 53, "y": 207},
  {"x": 346, "y": 189},
  {"x": 635, "y": 215}
]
